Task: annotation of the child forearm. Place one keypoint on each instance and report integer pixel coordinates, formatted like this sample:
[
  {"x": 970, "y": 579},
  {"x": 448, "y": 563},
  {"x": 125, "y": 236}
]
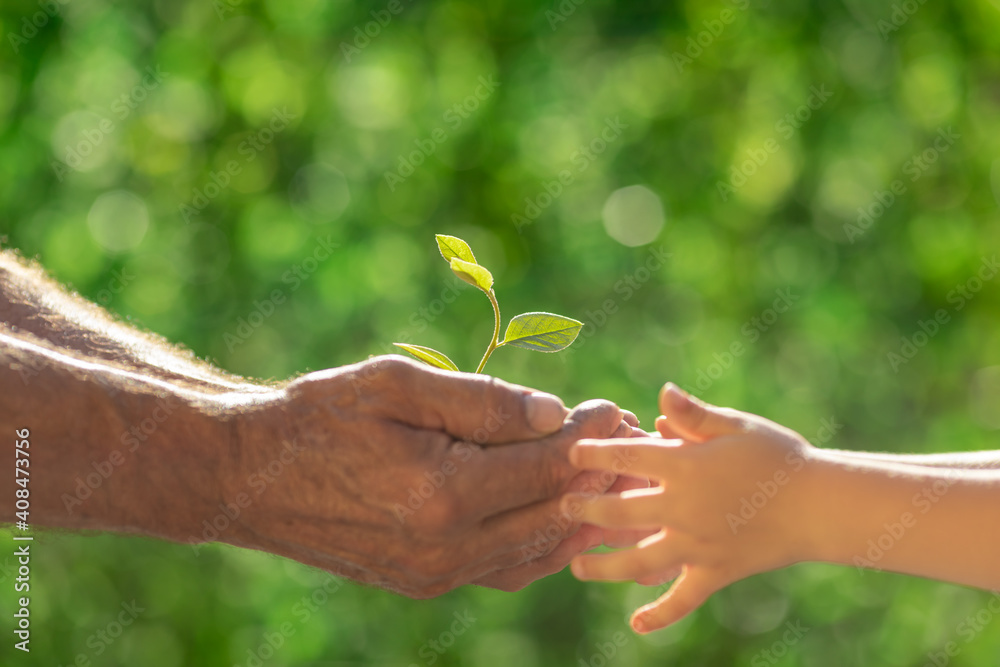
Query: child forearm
[
  {"x": 925, "y": 521},
  {"x": 987, "y": 460}
]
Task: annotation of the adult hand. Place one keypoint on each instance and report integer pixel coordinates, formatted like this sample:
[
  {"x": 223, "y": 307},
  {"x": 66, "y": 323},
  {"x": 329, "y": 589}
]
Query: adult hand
[{"x": 415, "y": 479}]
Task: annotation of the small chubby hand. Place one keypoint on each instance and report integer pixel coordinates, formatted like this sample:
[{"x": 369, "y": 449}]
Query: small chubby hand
[{"x": 728, "y": 505}]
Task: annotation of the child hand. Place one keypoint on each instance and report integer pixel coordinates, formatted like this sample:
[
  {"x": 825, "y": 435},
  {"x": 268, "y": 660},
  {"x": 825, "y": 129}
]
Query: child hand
[{"x": 731, "y": 503}]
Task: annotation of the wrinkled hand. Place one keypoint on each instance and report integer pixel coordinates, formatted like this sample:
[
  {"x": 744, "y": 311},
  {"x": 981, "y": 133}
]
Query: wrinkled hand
[
  {"x": 712, "y": 464},
  {"x": 417, "y": 480}
]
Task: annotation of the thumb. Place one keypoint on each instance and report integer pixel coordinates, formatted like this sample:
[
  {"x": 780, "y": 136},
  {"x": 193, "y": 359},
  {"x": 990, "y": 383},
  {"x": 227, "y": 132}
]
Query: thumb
[
  {"x": 687, "y": 417},
  {"x": 468, "y": 406},
  {"x": 686, "y": 594}
]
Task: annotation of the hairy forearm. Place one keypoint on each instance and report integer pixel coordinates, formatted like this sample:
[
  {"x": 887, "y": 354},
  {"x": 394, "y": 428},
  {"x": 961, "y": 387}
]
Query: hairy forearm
[
  {"x": 31, "y": 303},
  {"x": 924, "y": 521},
  {"x": 111, "y": 449}
]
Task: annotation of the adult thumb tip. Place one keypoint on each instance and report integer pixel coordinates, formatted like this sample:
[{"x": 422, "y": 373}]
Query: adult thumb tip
[{"x": 545, "y": 412}]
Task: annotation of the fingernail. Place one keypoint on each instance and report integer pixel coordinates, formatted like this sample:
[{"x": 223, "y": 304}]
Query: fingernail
[
  {"x": 676, "y": 398},
  {"x": 573, "y": 456},
  {"x": 576, "y": 568},
  {"x": 638, "y": 625},
  {"x": 545, "y": 412}
]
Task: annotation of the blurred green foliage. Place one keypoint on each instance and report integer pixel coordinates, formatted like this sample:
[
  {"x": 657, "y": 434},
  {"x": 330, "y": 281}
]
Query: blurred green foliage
[{"x": 276, "y": 122}]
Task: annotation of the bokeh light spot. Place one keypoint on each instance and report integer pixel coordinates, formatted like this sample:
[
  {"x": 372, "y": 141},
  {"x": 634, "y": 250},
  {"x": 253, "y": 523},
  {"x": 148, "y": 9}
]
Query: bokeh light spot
[
  {"x": 633, "y": 215},
  {"x": 118, "y": 220}
]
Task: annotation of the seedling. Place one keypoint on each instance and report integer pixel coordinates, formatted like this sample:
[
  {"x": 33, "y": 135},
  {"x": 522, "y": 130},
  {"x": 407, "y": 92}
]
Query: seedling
[{"x": 544, "y": 332}]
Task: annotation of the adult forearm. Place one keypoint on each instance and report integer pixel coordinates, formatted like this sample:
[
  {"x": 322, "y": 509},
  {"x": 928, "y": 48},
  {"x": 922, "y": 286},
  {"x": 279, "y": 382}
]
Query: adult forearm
[
  {"x": 936, "y": 523},
  {"x": 31, "y": 303},
  {"x": 110, "y": 449}
]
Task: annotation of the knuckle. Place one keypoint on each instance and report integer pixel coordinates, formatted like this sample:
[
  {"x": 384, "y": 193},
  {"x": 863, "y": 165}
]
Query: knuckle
[
  {"x": 439, "y": 516},
  {"x": 552, "y": 475},
  {"x": 392, "y": 368}
]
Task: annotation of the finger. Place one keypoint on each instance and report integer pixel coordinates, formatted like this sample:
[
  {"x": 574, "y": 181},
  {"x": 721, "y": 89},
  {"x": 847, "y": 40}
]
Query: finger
[
  {"x": 494, "y": 480},
  {"x": 650, "y": 457},
  {"x": 695, "y": 420},
  {"x": 654, "y": 555},
  {"x": 630, "y": 418},
  {"x": 687, "y": 594},
  {"x": 660, "y": 579},
  {"x": 467, "y": 406},
  {"x": 639, "y": 433},
  {"x": 624, "y": 430},
  {"x": 664, "y": 429},
  {"x": 619, "y": 538},
  {"x": 613, "y": 537},
  {"x": 517, "y": 577},
  {"x": 553, "y": 545},
  {"x": 638, "y": 509},
  {"x": 628, "y": 483}
]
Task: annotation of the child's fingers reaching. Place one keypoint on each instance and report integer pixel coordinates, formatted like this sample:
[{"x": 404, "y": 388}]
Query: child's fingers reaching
[
  {"x": 638, "y": 509},
  {"x": 692, "y": 419},
  {"x": 663, "y": 428},
  {"x": 688, "y": 593},
  {"x": 660, "y": 579},
  {"x": 653, "y": 555},
  {"x": 627, "y": 483},
  {"x": 647, "y": 458},
  {"x": 619, "y": 539}
]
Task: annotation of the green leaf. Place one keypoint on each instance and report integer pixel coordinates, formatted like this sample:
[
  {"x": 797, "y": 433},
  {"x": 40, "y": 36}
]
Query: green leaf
[
  {"x": 472, "y": 273},
  {"x": 545, "y": 332},
  {"x": 429, "y": 356},
  {"x": 452, "y": 247}
]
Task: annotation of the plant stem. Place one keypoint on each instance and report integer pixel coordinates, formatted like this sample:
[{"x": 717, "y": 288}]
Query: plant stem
[{"x": 496, "y": 331}]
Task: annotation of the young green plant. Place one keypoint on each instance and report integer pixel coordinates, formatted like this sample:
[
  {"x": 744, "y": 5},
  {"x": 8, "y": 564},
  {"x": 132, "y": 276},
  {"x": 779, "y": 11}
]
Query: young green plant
[{"x": 544, "y": 332}]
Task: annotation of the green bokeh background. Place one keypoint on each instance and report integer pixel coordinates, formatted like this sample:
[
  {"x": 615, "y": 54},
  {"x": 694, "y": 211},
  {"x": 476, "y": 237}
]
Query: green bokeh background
[{"x": 228, "y": 66}]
